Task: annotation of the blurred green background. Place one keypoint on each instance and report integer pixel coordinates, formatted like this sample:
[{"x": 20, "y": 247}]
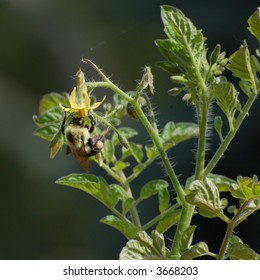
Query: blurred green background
[{"x": 42, "y": 42}]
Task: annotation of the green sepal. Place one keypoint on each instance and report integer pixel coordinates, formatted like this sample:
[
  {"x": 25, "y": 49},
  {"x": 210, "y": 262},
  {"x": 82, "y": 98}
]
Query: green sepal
[{"x": 146, "y": 81}]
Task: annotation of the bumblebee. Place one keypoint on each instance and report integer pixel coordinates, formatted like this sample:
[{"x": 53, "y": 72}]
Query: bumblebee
[{"x": 80, "y": 141}]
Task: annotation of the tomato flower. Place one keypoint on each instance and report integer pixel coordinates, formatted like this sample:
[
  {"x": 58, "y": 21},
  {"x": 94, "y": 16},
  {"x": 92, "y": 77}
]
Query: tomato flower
[{"x": 79, "y": 97}]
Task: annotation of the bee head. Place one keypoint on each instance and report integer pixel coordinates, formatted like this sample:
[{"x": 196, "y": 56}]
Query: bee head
[{"x": 78, "y": 121}]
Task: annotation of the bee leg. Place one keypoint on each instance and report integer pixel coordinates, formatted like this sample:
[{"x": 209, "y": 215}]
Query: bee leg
[
  {"x": 63, "y": 124},
  {"x": 68, "y": 150},
  {"x": 92, "y": 124},
  {"x": 96, "y": 144}
]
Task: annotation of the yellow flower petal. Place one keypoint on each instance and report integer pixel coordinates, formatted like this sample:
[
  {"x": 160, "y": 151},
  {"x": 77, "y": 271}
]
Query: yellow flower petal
[
  {"x": 64, "y": 108},
  {"x": 77, "y": 100},
  {"x": 97, "y": 104}
]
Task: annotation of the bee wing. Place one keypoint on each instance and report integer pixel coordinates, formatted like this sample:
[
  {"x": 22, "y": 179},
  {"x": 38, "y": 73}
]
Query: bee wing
[
  {"x": 82, "y": 158},
  {"x": 84, "y": 162}
]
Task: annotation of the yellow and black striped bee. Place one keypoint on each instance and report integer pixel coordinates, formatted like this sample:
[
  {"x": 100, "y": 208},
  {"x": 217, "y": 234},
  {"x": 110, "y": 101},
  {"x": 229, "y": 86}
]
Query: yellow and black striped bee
[{"x": 80, "y": 141}]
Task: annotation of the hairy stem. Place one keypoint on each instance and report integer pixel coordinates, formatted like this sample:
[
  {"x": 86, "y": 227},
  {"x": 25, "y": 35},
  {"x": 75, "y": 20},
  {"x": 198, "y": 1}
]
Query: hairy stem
[
  {"x": 224, "y": 145},
  {"x": 200, "y": 156},
  {"x": 133, "y": 210},
  {"x": 183, "y": 224},
  {"x": 157, "y": 142},
  {"x": 202, "y": 111}
]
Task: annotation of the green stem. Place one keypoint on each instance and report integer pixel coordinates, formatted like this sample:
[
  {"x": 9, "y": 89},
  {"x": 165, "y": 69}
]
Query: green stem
[
  {"x": 159, "y": 217},
  {"x": 150, "y": 110},
  {"x": 157, "y": 142},
  {"x": 200, "y": 160},
  {"x": 231, "y": 226},
  {"x": 109, "y": 171},
  {"x": 224, "y": 145},
  {"x": 133, "y": 210},
  {"x": 112, "y": 87},
  {"x": 152, "y": 132},
  {"x": 183, "y": 224}
]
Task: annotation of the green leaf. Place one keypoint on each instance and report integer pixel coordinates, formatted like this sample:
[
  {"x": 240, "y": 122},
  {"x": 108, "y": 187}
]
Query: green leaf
[
  {"x": 159, "y": 187},
  {"x": 51, "y": 100},
  {"x": 227, "y": 99},
  {"x": 246, "y": 188},
  {"x": 183, "y": 34},
  {"x": 47, "y": 132},
  {"x": 93, "y": 185},
  {"x": 136, "y": 151},
  {"x": 254, "y": 24},
  {"x": 127, "y": 203},
  {"x": 239, "y": 251},
  {"x": 198, "y": 250},
  {"x": 109, "y": 151},
  {"x": 56, "y": 144},
  {"x": 120, "y": 192},
  {"x": 184, "y": 49},
  {"x": 240, "y": 65},
  {"x": 187, "y": 238},
  {"x": 151, "y": 151},
  {"x": 218, "y": 123},
  {"x": 246, "y": 87},
  {"x": 144, "y": 247},
  {"x": 172, "y": 54},
  {"x": 125, "y": 132},
  {"x": 169, "y": 219},
  {"x": 174, "y": 134},
  {"x": 215, "y": 55},
  {"x": 223, "y": 183},
  {"x": 120, "y": 165},
  {"x": 52, "y": 116},
  {"x": 138, "y": 168},
  {"x": 124, "y": 226},
  {"x": 206, "y": 197},
  {"x": 49, "y": 124}
]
